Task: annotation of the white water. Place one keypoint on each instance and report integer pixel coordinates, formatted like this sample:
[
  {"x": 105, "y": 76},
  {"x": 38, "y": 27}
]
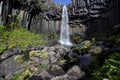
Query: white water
[
  {"x": 64, "y": 33},
  {"x": 1, "y": 12}
]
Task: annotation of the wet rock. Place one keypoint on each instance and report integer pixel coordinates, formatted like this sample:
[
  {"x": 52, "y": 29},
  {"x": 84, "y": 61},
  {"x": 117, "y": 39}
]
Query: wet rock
[
  {"x": 85, "y": 60},
  {"x": 74, "y": 73}
]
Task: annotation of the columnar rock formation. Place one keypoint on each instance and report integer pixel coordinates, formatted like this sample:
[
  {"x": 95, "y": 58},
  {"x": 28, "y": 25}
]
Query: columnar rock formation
[
  {"x": 96, "y": 15},
  {"x": 31, "y": 14},
  {"x": 86, "y": 16}
]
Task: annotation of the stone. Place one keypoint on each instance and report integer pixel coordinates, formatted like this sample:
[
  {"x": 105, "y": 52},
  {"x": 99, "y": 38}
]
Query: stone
[
  {"x": 74, "y": 73},
  {"x": 35, "y": 78},
  {"x": 1, "y": 78},
  {"x": 45, "y": 75},
  {"x": 85, "y": 60},
  {"x": 8, "y": 77},
  {"x": 6, "y": 54},
  {"x": 55, "y": 68},
  {"x": 9, "y": 66},
  {"x": 44, "y": 61},
  {"x": 19, "y": 71},
  {"x": 52, "y": 57},
  {"x": 10, "y": 52}
]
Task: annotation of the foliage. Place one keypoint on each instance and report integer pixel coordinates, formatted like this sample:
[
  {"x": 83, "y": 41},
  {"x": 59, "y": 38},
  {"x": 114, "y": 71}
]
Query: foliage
[
  {"x": 31, "y": 65},
  {"x": 2, "y": 30},
  {"x": 18, "y": 58},
  {"x": 21, "y": 75},
  {"x": 95, "y": 50},
  {"x": 114, "y": 40},
  {"x": 43, "y": 55},
  {"x": 110, "y": 70},
  {"x": 63, "y": 61},
  {"x": 99, "y": 36},
  {"x": 52, "y": 6},
  {"x": 23, "y": 38},
  {"x": 43, "y": 66},
  {"x": 3, "y": 37},
  {"x": 19, "y": 37},
  {"x": 85, "y": 45},
  {"x": 51, "y": 35},
  {"x": 76, "y": 38},
  {"x": 32, "y": 53}
]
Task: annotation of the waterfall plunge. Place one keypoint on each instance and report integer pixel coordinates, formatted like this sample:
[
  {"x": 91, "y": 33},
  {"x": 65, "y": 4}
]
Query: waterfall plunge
[
  {"x": 64, "y": 33},
  {"x": 1, "y": 3}
]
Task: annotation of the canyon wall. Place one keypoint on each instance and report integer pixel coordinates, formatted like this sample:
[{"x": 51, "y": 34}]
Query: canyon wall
[{"x": 86, "y": 16}]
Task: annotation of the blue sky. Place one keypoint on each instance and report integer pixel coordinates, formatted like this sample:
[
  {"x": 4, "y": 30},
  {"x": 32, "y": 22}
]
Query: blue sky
[{"x": 63, "y": 2}]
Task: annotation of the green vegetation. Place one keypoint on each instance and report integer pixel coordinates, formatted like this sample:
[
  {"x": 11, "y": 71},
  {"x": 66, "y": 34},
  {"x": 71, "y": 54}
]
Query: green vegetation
[
  {"x": 18, "y": 37},
  {"x": 76, "y": 38},
  {"x": 99, "y": 36},
  {"x": 22, "y": 75},
  {"x": 114, "y": 40},
  {"x": 28, "y": 60},
  {"x": 110, "y": 69},
  {"x": 43, "y": 55}
]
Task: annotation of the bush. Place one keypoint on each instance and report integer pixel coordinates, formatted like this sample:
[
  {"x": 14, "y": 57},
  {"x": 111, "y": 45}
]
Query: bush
[{"x": 110, "y": 70}]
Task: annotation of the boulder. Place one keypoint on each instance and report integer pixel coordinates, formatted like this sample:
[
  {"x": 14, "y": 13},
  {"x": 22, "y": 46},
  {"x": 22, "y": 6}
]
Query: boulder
[
  {"x": 10, "y": 52},
  {"x": 45, "y": 75},
  {"x": 9, "y": 66},
  {"x": 85, "y": 60},
  {"x": 74, "y": 73},
  {"x": 1, "y": 78},
  {"x": 9, "y": 76}
]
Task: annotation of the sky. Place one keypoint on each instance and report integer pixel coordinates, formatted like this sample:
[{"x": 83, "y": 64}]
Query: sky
[{"x": 63, "y": 2}]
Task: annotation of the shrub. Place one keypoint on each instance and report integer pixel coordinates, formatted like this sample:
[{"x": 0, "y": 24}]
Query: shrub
[{"x": 110, "y": 70}]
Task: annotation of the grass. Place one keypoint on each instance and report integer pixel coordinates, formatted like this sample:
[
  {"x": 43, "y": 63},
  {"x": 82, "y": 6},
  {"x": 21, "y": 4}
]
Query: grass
[{"x": 19, "y": 37}]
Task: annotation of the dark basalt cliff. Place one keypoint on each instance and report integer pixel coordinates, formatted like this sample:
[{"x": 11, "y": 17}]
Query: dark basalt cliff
[
  {"x": 95, "y": 15},
  {"x": 28, "y": 13},
  {"x": 86, "y": 16}
]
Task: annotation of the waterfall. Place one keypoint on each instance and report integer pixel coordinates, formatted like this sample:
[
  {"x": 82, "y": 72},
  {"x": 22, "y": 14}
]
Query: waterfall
[
  {"x": 64, "y": 33},
  {"x": 1, "y": 3}
]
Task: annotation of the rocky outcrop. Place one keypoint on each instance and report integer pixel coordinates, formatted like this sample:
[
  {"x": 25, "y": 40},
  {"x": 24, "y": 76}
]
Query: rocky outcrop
[
  {"x": 74, "y": 73},
  {"x": 45, "y": 64}
]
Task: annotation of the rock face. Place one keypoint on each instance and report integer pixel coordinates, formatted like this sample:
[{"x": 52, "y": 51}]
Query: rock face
[
  {"x": 45, "y": 17},
  {"x": 46, "y": 64},
  {"x": 86, "y": 12},
  {"x": 74, "y": 73},
  {"x": 9, "y": 66}
]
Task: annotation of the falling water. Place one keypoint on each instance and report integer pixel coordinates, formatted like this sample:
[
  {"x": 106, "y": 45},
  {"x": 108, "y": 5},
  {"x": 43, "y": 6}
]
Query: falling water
[
  {"x": 1, "y": 3},
  {"x": 64, "y": 34}
]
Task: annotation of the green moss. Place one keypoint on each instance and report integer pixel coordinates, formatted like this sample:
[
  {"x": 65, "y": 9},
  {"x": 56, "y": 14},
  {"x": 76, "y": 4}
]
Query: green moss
[
  {"x": 21, "y": 75},
  {"x": 18, "y": 58},
  {"x": 43, "y": 55},
  {"x": 43, "y": 66},
  {"x": 19, "y": 37}
]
